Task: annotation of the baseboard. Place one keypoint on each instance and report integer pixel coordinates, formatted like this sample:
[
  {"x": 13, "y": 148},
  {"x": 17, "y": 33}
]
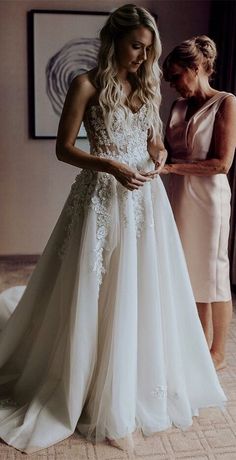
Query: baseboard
[{"x": 21, "y": 259}]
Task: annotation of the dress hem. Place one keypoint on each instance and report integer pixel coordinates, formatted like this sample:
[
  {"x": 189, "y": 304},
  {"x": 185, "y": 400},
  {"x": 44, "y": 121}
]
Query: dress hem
[{"x": 146, "y": 433}]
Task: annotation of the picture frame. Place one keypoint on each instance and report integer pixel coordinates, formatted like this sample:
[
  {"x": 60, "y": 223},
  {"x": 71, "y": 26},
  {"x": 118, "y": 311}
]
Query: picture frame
[{"x": 61, "y": 45}]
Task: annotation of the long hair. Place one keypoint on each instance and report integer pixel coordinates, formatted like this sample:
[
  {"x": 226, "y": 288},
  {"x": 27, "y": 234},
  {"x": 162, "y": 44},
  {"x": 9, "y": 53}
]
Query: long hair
[{"x": 146, "y": 80}]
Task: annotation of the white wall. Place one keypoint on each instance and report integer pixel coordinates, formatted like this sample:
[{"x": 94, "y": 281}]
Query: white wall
[{"x": 33, "y": 183}]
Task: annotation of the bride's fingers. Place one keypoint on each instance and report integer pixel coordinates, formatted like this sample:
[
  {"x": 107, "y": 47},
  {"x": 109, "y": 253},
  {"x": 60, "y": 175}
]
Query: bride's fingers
[
  {"x": 152, "y": 173},
  {"x": 134, "y": 185},
  {"x": 142, "y": 177},
  {"x": 131, "y": 187},
  {"x": 140, "y": 182}
]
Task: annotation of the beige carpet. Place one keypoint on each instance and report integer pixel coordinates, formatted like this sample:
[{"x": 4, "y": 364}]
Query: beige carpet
[{"x": 212, "y": 435}]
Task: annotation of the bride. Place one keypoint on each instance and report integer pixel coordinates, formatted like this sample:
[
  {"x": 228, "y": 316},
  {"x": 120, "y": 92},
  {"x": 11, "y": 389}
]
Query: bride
[{"x": 106, "y": 337}]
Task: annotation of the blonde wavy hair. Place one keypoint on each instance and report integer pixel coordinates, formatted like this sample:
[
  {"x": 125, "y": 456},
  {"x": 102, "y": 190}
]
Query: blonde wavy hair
[{"x": 146, "y": 80}]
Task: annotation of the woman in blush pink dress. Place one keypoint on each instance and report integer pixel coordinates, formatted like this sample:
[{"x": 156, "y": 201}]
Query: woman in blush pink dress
[{"x": 201, "y": 140}]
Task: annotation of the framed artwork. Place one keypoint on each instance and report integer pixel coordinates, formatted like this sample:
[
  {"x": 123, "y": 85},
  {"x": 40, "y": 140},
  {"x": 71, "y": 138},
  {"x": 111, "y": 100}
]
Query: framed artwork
[{"x": 62, "y": 44}]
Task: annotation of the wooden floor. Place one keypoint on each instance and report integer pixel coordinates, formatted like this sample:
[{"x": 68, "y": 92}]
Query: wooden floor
[{"x": 211, "y": 437}]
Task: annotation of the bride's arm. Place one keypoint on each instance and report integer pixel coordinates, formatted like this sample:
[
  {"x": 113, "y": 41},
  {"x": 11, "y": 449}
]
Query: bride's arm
[
  {"x": 78, "y": 97},
  {"x": 157, "y": 152}
]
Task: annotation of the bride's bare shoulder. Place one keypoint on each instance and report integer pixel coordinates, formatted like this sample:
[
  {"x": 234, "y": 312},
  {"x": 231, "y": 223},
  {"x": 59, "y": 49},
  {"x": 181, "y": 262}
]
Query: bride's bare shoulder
[{"x": 85, "y": 82}]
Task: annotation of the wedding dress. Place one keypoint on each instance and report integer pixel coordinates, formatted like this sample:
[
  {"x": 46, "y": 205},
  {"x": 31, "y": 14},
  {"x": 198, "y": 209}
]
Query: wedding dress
[{"x": 106, "y": 337}]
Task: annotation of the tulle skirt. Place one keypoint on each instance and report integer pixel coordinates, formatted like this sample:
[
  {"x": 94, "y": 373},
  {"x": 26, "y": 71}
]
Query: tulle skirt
[{"x": 106, "y": 336}]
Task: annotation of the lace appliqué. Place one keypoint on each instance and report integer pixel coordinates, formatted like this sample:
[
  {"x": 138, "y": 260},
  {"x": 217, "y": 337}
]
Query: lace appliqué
[
  {"x": 137, "y": 201},
  {"x": 96, "y": 190},
  {"x": 91, "y": 190},
  {"x": 129, "y": 136},
  {"x": 100, "y": 203},
  {"x": 161, "y": 392},
  {"x": 139, "y": 210},
  {"x": 80, "y": 195}
]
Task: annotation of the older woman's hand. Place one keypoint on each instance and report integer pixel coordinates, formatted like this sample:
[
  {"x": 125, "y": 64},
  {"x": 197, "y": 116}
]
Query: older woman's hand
[{"x": 166, "y": 169}]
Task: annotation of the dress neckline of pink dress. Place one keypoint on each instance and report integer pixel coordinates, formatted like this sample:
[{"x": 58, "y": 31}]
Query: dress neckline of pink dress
[{"x": 209, "y": 101}]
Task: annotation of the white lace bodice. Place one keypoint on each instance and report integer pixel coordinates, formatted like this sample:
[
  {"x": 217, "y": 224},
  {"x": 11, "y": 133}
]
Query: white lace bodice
[
  {"x": 129, "y": 136},
  {"x": 97, "y": 191}
]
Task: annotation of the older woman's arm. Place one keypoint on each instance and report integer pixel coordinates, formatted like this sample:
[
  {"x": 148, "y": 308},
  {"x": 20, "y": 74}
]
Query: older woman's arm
[{"x": 224, "y": 141}]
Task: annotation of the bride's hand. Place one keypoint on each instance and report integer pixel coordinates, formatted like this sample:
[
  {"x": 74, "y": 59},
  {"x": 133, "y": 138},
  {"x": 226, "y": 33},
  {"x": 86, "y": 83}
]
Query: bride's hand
[
  {"x": 159, "y": 163},
  {"x": 160, "y": 160},
  {"x": 129, "y": 177}
]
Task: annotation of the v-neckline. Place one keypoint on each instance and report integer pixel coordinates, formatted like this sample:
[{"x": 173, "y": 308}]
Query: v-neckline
[
  {"x": 202, "y": 107},
  {"x": 126, "y": 106},
  {"x": 132, "y": 111}
]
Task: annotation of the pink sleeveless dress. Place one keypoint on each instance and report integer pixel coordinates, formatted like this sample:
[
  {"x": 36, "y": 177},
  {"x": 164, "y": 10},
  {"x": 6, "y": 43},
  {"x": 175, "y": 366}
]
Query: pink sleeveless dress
[{"x": 201, "y": 205}]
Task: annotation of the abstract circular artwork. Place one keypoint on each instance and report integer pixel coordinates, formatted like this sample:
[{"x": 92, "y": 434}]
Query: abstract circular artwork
[{"x": 75, "y": 57}]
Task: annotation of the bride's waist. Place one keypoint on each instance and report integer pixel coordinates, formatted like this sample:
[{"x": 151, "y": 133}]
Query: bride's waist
[{"x": 134, "y": 157}]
